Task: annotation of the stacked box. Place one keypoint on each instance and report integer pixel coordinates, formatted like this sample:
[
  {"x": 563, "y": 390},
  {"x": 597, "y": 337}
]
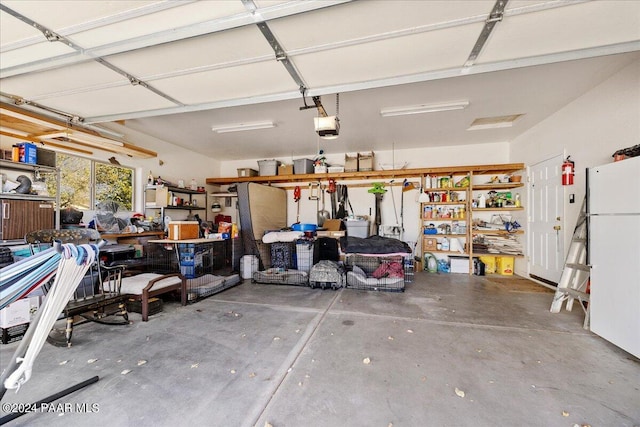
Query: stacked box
[
  {"x": 350, "y": 163},
  {"x": 366, "y": 161}
]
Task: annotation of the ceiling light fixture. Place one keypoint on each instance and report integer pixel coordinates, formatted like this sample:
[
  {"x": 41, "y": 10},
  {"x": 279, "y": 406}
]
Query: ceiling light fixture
[
  {"x": 238, "y": 127},
  {"x": 423, "y": 108},
  {"x": 494, "y": 122}
]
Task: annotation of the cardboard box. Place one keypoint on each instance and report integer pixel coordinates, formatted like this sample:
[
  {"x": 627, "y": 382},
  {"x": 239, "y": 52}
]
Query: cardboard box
[
  {"x": 430, "y": 243},
  {"x": 504, "y": 265},
  {"x": 28, "y": 153},
  {"x": 366, "y": 161},
  {"x": 334, "y": 225},
  {"x": 350, "y": 163},
  {"x": 13, "y": 333},
  {"x": 247, "y": 172},
  {"x": 183, "y": 230},
  {"x": 19, "y": 312},
  {"x": 285, "y": 170}
]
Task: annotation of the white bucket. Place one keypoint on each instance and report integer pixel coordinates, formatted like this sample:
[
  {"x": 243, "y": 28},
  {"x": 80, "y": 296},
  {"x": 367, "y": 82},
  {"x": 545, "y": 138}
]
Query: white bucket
[{"x": 248, "y": 266}]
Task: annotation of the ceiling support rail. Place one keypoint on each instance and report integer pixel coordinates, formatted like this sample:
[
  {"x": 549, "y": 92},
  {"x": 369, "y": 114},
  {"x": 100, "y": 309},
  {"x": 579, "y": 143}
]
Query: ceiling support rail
[{"x": 495, "y": 16}]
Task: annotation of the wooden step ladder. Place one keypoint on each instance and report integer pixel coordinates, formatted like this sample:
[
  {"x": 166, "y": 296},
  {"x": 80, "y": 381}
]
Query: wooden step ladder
[{"x": 575, "y": 275}]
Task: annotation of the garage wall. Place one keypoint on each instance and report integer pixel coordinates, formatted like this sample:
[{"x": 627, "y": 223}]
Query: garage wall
[
  {"x": 364, "y": 203},
  {"x": 590, "y": 129}
]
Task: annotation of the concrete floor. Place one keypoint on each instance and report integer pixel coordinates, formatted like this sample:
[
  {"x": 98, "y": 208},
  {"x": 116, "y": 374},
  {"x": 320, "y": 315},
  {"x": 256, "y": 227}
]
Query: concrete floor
[{"x": 293, "y": 356}]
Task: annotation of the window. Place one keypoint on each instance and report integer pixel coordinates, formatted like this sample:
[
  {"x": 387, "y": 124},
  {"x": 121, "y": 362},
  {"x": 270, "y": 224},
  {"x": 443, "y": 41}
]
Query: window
[{"x": 84, "y": 183}]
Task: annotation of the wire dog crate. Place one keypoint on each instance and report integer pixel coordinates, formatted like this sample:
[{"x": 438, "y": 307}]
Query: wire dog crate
[{"x": 375, "y": 273}]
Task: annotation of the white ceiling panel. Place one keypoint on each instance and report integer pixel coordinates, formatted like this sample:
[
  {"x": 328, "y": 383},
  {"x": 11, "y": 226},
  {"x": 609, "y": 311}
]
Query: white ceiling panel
[
  {"x": 211, "y": 50},
  {"x": 366, "y": 19},
  {"x": 48, "y": 13},
  {"x": 109, "y": 101},
  {"x": 389, "y": 58},
  {"x": 13, "y": 30},
  {"x": 56, "y": 82},
  {"x": 562, "y": 29},
  {"x": 188, "y": 14},
  {"x": 34, "y": 52},
  {"x": 228, "y": 83}
]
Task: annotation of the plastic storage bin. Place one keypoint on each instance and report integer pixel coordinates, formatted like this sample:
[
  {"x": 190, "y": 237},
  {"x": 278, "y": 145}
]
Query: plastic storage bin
[
  {"x": 268, "y": 167},
  {"x": 357, "y": 228},
  {"x": 302, "y": 166}
]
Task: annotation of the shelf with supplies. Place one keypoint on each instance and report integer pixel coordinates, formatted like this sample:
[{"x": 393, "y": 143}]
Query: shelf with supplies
[
  {"x": 164, "y": 197},
  {"x": 495, "y": 202},
  {"x": 451, "y": 198}
]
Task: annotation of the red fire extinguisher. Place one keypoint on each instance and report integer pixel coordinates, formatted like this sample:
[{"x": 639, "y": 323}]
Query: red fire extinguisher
[{"x": 568, "y": 171}]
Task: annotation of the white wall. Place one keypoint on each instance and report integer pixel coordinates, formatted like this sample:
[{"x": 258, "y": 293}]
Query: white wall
[{"x": 589, "y": 129}]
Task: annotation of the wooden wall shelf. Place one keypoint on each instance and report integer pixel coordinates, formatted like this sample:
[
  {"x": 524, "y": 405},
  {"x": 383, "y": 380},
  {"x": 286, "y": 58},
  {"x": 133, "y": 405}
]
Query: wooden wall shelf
[{"x": 382, "y": 174}]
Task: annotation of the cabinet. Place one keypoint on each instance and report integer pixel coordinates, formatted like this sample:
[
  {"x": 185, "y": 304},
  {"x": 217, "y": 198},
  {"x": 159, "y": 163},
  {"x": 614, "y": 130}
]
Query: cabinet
[
  {"x": 160, "y": 199},
  {"x": 22, "y": 213},
  {"x": 22, "y": 216}
]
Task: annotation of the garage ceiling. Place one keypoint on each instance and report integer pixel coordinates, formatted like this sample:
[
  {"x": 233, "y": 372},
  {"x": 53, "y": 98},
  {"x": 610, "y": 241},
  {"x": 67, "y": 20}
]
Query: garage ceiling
[{"x": 175, "y": 69}]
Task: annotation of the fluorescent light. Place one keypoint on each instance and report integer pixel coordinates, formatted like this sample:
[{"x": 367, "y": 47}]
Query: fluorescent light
[
  {"x": 243, "y": 126},
  {"x": 423, "y": 108}
]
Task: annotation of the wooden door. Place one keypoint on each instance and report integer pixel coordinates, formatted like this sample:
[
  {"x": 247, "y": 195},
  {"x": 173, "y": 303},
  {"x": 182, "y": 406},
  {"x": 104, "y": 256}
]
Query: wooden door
[
  {"x": 22, "y": 216},
  {"x": 546, "y": 207}
]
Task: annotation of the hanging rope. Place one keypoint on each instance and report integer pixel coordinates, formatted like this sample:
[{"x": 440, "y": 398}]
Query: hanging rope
[{"x": 74, "y": 263}]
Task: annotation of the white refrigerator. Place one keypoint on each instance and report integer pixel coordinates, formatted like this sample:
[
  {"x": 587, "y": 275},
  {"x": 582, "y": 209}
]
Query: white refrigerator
[{"x": 614, "y": 252}]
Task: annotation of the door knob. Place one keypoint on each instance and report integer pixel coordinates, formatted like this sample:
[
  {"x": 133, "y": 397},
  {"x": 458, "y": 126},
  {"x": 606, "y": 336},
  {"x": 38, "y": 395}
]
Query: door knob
[{"x": 556, "y": 227}]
